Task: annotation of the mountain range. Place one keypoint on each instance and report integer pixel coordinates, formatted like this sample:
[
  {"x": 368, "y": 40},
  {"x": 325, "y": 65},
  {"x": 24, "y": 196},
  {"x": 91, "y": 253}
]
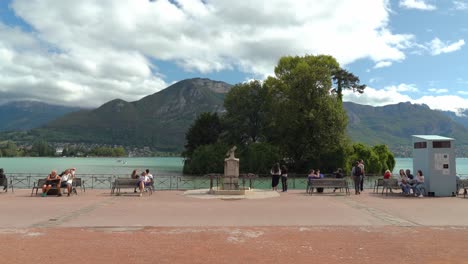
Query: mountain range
[
  {"x": 26, "y": 115},
  {"x": 160, "y": 120}
]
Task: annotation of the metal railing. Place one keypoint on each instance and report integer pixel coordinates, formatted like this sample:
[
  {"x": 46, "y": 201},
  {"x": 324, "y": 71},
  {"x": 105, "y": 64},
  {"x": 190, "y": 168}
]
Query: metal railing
[{"x": 183, "y": 182}]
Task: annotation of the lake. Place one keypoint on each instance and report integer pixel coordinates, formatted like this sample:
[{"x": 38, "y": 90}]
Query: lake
[{"x": 123, "y": 166}]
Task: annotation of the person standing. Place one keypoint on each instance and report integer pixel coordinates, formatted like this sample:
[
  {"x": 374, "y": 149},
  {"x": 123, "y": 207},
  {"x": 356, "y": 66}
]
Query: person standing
[
  {"x": 361, "y": 183},
  {"x": 357, "y": 175},
  {"x": 275, "y": 175},
  {"x": 284, "y": 178}
]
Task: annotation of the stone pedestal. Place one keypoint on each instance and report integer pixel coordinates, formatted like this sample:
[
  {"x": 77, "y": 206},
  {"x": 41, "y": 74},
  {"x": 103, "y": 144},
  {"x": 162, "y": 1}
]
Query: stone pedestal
[{"x": 231, "y": 173}]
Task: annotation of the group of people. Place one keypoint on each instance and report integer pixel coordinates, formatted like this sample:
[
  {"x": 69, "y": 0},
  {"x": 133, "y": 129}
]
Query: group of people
[
  {"x": 278, "y": 172},
  {"x": 145, "y": 179},
  {"x": 408, "y": 182},
  {"x": 64, "y": 180}
]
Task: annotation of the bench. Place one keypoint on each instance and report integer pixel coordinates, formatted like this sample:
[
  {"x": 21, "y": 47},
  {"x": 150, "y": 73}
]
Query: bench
[
  {"x": 38, "y": 185},
  {"x": 120, "y": 183},
  {"x": 389, "y": 184},
  {"x": 378, "y": 183},
  {"x": 327, "y": 183},
  {"x": 77, "y": 182}
]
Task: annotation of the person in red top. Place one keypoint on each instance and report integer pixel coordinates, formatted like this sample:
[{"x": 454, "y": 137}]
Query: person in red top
[{"x": 387, "y": 174}]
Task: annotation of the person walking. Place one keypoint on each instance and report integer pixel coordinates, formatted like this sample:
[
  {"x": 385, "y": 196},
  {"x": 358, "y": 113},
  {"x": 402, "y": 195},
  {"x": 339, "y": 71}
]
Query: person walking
[
  {"x": 361, "y": 183},
  {"x": 275, "y": 175},
  {"x": 284, "y": 178}
]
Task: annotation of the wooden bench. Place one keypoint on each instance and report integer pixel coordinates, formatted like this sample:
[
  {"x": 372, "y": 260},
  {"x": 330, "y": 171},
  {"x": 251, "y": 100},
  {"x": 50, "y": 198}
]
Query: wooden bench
[
  {"x": 77, "y": 182},
  {"x": 327, "y": 183},
  {"x": 38, "y": 185},
  {"x": 390, "y": 184},
  {"x": 120, "y": 183}
]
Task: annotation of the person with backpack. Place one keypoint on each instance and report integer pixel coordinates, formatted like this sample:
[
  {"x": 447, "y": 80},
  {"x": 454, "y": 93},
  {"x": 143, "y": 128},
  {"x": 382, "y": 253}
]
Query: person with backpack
[
  {"x": 361, "y": 184},
  {"x": 357, "y": 175}
]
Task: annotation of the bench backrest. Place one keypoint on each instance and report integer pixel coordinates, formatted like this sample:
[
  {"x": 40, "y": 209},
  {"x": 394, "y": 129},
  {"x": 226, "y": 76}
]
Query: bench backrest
[
  {"x": 328, "y": 183},
  {"x": 125, "y": 182},
  {"x": 41, "y": 182},
  {"x": 391, "y": 183},
  {"x": 77, "y": 182}
]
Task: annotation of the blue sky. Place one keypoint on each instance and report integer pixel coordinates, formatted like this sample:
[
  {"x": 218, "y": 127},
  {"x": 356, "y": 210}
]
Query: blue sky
[{"x": 88, "y": 52}]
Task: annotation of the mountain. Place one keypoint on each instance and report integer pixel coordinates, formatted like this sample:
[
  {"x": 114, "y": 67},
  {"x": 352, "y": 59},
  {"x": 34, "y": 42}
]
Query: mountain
[
  {"x": 158, "y": 120},
  {"x": 460, "y": 117},
  {"x": 393, "y": 125},
  {"x": 24, "y": 115}
]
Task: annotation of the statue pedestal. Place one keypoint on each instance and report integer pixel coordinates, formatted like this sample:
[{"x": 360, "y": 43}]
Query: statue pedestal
[{"x": 231, "y": 174}]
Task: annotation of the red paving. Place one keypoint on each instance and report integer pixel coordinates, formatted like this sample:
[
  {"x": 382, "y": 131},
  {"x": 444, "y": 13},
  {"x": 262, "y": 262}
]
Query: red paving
[{"x": 168, "y": 227}]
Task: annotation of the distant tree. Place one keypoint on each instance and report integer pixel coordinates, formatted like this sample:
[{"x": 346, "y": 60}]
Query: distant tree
[
  {"x": 204, "y": 131},
  {"x": 9, "y": 150},
  {"x": 345, "y": 80},
  {"x": 118, "y": 152},
  {"x": 41, "y": 148}
]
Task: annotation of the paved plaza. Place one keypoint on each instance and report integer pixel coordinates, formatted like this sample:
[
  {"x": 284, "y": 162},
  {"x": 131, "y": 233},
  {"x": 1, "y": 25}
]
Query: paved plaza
[{"x": 292, "y": 227}]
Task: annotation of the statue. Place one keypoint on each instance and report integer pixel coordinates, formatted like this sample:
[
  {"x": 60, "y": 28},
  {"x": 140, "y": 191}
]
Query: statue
[{"x": 230, "y": 152}]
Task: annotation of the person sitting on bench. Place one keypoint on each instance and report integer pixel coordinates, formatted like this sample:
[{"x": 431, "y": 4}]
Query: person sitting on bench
[
  {"x": 53, "y": 180},
  {"x": 144, "y": 181},
  {"x": 67, "y": 180}
]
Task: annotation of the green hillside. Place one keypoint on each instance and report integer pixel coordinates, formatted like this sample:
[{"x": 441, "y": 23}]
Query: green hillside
[{"x": 395, "y": 124}]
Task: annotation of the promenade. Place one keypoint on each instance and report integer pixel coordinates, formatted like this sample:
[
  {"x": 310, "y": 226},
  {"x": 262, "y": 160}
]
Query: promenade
[{"x": 168, "y": 227}]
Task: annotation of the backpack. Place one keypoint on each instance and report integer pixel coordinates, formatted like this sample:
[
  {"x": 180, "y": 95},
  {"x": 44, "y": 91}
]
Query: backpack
[{"x": 357, "y": 171}]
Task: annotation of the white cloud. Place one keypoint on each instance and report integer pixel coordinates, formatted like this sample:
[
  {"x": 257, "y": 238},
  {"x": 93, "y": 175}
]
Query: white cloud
[
  {"x": 403, "y": 87},
  {"x": 438, "y": 47},
  {"x": 106, "y": 49},
  {"x": 417, "y": 4},
  {"x": 444, "y": 102},
  {"x": 438, "y": 91},
  {"x": 376, "y": 97},
  {"x": 391, "y": 95},
  {"x": 463, "y": 92},
  {"x": 460, "y": 5},
  {"x": 383, "y": 64}
]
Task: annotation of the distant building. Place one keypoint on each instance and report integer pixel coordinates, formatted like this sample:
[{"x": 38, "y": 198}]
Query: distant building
[{"x": 58, "y": 151}]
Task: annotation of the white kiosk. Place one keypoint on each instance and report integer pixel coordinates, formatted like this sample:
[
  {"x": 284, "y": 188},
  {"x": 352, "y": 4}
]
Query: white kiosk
[{"x": 435, "y": 156}]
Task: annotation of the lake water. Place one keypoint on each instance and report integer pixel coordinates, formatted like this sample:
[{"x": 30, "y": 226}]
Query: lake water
[{"x": 157, "y": 165}]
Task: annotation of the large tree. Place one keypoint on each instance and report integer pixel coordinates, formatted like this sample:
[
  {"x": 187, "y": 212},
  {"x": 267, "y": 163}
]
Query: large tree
[
  {"x": 310, "y": 124},
  {"x": 247, "y": 105}
]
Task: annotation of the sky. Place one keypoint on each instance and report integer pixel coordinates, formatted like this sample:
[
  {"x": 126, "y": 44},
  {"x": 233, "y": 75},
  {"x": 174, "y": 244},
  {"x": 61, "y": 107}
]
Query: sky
[{"x": 85, "y": 53}]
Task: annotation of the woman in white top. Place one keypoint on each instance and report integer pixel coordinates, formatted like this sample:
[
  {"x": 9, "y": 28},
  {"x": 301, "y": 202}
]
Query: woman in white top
[
  {"x": 419, "y": 184},
  {"x": 144, "y": 180}
]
